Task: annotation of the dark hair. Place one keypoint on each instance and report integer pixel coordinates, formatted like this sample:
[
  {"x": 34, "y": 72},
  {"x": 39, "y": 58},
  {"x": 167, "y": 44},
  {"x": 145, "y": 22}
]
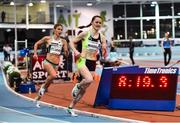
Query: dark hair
[
  {"x": 79, "y": 32},
  {"x": 94, "y": 17},
  {"x": 56, "y": 25}
]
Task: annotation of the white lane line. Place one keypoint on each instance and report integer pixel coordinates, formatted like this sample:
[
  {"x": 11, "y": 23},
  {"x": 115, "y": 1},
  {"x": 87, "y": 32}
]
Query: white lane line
[
  {"x": 28, "y": 99},
  {"x": 36, "y": 116},
  {"x": 79, "y": 111},
  {"x": 3, "y": 121}
]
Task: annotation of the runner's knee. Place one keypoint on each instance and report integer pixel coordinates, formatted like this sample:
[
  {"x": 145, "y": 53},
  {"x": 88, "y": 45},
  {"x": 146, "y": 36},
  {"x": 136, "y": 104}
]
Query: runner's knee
[
  {"x": 52, "y": 76},
  {"x": 89, "y": 80}
]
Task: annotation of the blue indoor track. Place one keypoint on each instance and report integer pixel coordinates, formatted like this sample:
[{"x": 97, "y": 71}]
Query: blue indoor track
[{"x": 14, "y": 108}]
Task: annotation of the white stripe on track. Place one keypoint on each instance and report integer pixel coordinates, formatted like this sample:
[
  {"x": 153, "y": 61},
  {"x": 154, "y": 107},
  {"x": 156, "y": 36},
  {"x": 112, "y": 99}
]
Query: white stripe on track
[
  {"x": 79, "y": 111},
  {"x": 29, "y": 114}
]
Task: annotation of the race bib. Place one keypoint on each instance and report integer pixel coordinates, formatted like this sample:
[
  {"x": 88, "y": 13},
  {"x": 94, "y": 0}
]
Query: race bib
[
  {"x": 93, "y": 46},
  {"x": 56, "y": 48}
]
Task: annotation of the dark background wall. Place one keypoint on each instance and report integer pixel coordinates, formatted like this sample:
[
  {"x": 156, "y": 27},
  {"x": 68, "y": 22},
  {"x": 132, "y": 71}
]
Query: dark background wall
[{"x": 32, "y": 35}]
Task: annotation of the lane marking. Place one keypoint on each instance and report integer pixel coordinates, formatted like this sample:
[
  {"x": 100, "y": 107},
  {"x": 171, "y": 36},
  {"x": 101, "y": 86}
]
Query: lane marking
[
  {"x": 7, "y": 86},
  {"x": 29, "y": 114},
  {"x": 79, "y": 111}
]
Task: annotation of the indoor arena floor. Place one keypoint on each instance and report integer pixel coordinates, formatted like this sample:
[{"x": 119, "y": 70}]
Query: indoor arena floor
[{"x": 21, "y": 108}]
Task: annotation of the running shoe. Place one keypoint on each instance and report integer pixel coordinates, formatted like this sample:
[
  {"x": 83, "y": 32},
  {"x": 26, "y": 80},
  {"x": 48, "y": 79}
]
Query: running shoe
[
  {"x": 37, "y": 104},
  {"x": 71, "y": 112},
  {"x": 75, "y": 90},
  {"x": 41, "y": 91}
]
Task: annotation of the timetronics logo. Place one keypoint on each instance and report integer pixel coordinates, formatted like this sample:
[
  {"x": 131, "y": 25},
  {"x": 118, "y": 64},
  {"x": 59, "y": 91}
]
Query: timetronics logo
[{"x": 160, "y": 70}]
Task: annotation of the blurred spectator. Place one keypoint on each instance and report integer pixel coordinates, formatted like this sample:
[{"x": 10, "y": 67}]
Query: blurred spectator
[
  {"x": 7, "y": 52},
  {"x": 112, "y": 45},
  {"x": 131, "y": 49},
  {"x": 166, "y": 45},
  {"x": 69, "y": 58},
  {"x": 79, "y": 44},
  {"x": 3, "y": 16}
]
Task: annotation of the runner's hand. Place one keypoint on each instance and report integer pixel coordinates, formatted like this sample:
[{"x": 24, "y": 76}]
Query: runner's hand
[{"x": 35, "y": 56}]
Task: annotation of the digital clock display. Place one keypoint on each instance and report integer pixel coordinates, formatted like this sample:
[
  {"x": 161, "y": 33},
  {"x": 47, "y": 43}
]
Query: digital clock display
[
  {"x": 143, "y": 86},
  {"x": 138, "y": 88}
]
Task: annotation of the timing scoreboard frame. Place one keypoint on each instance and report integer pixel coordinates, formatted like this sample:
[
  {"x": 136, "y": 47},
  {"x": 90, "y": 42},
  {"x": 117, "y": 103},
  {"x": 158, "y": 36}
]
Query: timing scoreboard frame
[{"x": 138, "y": 88}]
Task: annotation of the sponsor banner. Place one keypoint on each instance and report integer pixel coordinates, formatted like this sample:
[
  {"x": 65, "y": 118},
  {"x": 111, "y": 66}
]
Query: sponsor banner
[{"x": 38, "y": 73}]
